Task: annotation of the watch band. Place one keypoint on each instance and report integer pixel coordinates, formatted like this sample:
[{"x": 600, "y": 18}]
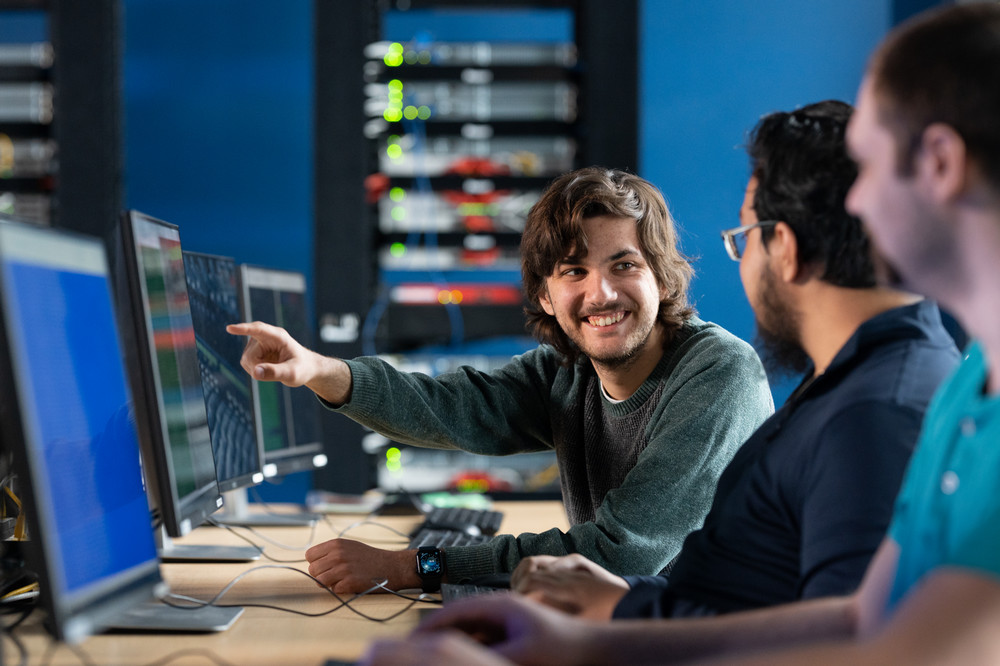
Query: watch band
[{"x": 430, "y": 568}]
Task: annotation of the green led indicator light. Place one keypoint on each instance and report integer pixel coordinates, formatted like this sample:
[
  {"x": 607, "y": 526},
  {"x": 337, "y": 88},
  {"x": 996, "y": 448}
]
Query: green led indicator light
[{"x": 394, "y": 55}]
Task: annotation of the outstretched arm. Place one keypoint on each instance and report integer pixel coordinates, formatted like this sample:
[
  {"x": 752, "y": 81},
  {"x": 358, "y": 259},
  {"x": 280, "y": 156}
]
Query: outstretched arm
[{"x": 273, "y": 355}]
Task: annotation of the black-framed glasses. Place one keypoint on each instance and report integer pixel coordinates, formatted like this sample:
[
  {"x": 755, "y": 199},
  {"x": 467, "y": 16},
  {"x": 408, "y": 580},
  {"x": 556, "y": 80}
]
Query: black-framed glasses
[{"x": 735, "y": 239}]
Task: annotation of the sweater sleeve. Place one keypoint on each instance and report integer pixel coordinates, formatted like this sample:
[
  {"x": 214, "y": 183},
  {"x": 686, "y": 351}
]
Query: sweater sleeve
[
  {"x": 715, "y": 398},
  {"x": 502, "y": 412}
]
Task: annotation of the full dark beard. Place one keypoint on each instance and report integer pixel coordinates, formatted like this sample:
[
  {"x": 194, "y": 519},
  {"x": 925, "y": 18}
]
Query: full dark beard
[{"x": 778, "y": 334}]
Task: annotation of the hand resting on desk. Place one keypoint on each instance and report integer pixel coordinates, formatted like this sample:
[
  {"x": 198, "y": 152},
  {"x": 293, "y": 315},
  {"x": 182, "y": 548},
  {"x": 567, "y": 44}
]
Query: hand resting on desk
[
  {"x": 514, "y": 628},
  {"x": 348, "y": 567},
  {"x": 572, "y": 584},
  {"x": 443, "y": 649}
]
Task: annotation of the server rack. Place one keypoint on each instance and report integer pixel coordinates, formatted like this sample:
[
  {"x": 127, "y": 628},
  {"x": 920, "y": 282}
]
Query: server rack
[
  {"x": 417, "y": 223},
  {"x": 60, "y": 116}
]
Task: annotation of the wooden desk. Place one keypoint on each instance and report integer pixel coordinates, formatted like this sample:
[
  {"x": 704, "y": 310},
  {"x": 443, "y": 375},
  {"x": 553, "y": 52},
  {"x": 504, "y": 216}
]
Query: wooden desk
[{"x": 265, "y": 636}]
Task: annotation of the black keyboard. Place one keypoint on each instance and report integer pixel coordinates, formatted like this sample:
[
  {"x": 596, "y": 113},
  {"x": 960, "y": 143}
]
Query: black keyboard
[
  {"x": 445, "y": 538},
  {"x": 487, "y": 520},
  {"x": 454, "y": 592}
]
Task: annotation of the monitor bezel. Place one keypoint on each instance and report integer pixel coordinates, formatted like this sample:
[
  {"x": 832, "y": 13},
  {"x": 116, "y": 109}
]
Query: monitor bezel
[
  {"x": 178, "y": 515},
  {"x": 75, "y": 616},
  {"x": 255, "y": 476},
  {"x": 296, "y": 457}
]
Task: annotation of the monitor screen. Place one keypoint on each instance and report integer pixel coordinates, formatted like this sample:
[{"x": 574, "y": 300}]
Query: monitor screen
[
  {"x": 177, "y": 453},
  {"x": 214, "y": 295},
  {"x": 67, "y": 420},
  {"x": 287, "y": 418}
]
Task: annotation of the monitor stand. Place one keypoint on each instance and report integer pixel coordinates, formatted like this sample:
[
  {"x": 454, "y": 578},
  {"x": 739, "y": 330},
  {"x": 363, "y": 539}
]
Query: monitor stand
[
  {"x": 236, "y": 512},
  {"x": 171, "y": 552},
  {"x": 157, "y": 616}
]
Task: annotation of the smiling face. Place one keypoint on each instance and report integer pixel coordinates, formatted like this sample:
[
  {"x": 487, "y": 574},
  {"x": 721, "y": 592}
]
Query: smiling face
[{"x": 607, "y": 300}]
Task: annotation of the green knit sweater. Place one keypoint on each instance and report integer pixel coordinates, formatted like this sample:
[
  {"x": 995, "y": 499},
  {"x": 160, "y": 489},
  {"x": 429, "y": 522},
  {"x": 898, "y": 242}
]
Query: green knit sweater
[{"x": 636, "y": 476}]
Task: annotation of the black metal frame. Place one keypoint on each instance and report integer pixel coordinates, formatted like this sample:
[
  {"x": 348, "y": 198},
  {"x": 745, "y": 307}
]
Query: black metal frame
[
  {"x": 345, "y": 249},
  {"x": 87, "y": 118}
]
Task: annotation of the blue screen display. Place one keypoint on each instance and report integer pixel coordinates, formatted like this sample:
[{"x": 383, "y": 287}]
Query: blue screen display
[{"x": 75, "y": 397}]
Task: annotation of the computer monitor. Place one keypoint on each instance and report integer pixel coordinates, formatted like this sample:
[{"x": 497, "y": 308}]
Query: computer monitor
[
  {"x": 174, "y": 437},
  {"x": 213, "y": 290},
  {"x": 214, "y": 298},
  {"x": 68, "y": 422},
  {"x": 287, "y": 418}
]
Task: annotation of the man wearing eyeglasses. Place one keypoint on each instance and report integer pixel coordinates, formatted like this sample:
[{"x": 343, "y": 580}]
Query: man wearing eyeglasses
[{"x": 804, "y": 504}]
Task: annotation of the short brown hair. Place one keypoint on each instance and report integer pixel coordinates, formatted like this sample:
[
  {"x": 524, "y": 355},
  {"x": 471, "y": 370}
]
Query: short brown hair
[
  {"x": 943, "y": 66},
  {"x": 554, "y": 230}
]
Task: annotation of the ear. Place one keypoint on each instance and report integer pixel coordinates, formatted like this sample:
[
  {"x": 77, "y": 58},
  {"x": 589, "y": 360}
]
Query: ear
[
  {"x": 941, "y": 162},
  {"x": 783, "y": 248},
  {"x": 545, "y": 302}
]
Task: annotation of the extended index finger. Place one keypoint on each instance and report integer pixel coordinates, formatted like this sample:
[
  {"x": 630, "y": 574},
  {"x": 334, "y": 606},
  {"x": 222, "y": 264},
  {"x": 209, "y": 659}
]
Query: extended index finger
[{"x": 250, "y": 328}]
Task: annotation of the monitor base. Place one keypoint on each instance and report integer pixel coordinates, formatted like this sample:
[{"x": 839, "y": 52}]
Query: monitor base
[{"x": 157, "y": 616}]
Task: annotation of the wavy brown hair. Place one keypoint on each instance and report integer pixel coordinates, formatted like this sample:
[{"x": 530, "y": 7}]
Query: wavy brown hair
[{"x": 554, "y": 231}]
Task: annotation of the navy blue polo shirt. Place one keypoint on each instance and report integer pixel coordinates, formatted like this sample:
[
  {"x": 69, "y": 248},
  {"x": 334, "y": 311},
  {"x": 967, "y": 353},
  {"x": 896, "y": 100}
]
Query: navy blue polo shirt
[{"x": 807, "y": 499}]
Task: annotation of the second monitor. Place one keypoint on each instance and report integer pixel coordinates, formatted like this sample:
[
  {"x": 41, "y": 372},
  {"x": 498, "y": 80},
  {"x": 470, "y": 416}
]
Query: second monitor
[
  {"x": 213, "y": 289},
  {"x": 287, "y": 418}
]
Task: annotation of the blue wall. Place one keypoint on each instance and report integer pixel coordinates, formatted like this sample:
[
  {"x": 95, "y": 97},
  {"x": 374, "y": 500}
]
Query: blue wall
[
  {"x": 218, "y": 113},
  {"x": 218, "y": 133},
  {"x": 710, "y": 69}
]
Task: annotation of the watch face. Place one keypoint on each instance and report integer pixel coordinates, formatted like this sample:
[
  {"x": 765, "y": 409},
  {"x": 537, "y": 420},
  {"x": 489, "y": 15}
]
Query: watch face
[{"x": 430, "y": 562}]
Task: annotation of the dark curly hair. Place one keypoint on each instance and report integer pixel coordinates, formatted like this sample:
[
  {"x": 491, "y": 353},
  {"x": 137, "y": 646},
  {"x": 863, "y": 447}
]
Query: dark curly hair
[
  {"x": 803, "y": 174},
  {"x": 554, "y": 231}
]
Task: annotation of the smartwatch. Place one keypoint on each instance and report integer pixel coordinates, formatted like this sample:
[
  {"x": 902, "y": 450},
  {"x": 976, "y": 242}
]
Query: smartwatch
[{"x": 430, "y": 568}]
